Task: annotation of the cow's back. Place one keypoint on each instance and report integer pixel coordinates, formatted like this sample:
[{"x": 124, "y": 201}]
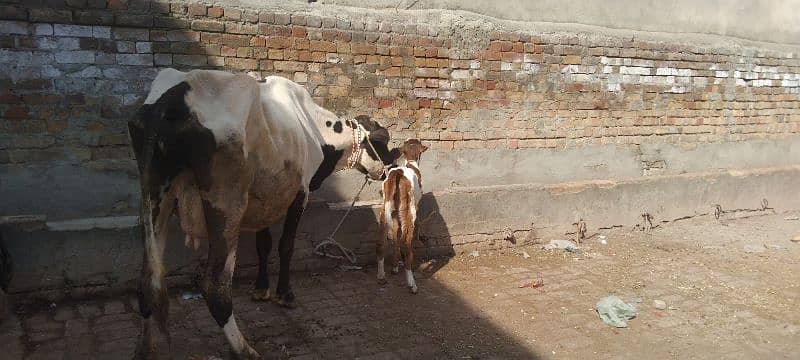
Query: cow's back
[{"x": 260, "y": 124}]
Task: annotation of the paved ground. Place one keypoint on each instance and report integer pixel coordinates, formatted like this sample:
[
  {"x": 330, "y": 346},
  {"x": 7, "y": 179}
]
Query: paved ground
[{"x": 732, "y": 289}]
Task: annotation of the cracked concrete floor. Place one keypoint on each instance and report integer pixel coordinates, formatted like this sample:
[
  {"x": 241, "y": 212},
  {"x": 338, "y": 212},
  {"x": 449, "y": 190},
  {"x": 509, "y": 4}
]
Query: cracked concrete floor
[{"x": 731, "y": 287}]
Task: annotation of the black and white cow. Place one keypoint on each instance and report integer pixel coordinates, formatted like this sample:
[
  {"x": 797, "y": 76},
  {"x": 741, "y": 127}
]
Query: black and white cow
[{"x": 229, "y": 154}]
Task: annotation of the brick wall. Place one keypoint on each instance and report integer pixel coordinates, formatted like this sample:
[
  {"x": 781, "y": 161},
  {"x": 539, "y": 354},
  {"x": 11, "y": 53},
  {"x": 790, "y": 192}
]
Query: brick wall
[{"x": 71, "y": 71}]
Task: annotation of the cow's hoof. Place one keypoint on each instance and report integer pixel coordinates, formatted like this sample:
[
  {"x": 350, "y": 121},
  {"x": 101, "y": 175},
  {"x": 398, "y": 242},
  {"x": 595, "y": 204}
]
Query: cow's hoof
[
  {"x": 260, "y": 295},
  {"x": 286, "y": 299},
  {"x": 249, "y": 354},
  {"x": 3, "y": 305},
  {"x": 145, "y": 351},
  {"x": 382, "y": 281},
  {"x": 413, "y": 289}
]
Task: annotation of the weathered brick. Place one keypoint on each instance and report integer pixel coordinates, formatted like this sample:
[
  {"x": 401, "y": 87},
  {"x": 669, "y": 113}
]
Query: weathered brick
[
  {"x": 241, "y": 64},
  {"x": 93, "y": 17},
  {"x": 135, "y": 59},
  {"x": 10, "y": 12},
  {"x": 118, "y": 4},
  {"x": 162, "y": 59},
  {"x": 196, "y": 10},
  {"x": 282, "y": 19},
  {"x": 208, "y": 25},
  {"x": 14, "y": 27},
  {"x": 130, "y": 34},
  {"x": 144, "y": 47},
  {"x": 50, "y": 15},
  {"x": 75, "y": 57},
  {"x": 134, "y": 20},
  {"x": 250, "y": 16},
  {"x": 177, "y": 8},
  {"x": 237, "y": 28},
  {"x": 191, "y": 60},
  {"x": 215, "y": 12},
  {"x": 233, "y": 14},
  {"x": 183, "y": 35},
  {"x": 171, "y": 22},
  {"x": 125, "y": 47},
  {"x": 42, "y": 29},
  {"x": 101, "y": 32},
  {"x": 72, "y": 30}
]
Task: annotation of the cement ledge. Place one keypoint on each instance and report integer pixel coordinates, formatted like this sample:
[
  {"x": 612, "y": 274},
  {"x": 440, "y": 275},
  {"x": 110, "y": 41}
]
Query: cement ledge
[{"x": 69, "y": 258}]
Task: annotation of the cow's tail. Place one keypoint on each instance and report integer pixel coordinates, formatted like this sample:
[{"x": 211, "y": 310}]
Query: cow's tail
[{"x": 152, "y": 131}]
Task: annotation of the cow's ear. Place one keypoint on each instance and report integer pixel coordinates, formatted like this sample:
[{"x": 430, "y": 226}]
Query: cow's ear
[{"x": 395, "y": 154}]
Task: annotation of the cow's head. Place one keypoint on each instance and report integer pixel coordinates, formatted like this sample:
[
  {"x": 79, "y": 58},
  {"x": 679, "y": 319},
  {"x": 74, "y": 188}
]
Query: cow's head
[{"x": 375, "y": 155}]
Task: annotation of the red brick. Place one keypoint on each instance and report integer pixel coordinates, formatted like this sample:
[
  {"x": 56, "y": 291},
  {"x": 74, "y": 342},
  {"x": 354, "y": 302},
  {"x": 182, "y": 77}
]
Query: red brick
[
  {"x": 325, "y": 46},
  {"x": 258, "y": 41},
  {"x": 10, "y": 99},
  {"x": 365, "y": 49},
  {"x": 392, "y": 71},
  {"x": 298, "y": 31},
  {"x": 16, "y": 112},
  {"x": 196, "y": 10},
  {"x": 241, "y": 64},
  {"x": 215, "y": 12},
  {"x": 117, "y": 4},
  {"x": 304, "y": 55}
]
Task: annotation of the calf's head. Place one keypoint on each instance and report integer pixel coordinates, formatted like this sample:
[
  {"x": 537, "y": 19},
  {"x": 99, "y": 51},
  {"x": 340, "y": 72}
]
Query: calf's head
[{"x": 411, "y": 150}]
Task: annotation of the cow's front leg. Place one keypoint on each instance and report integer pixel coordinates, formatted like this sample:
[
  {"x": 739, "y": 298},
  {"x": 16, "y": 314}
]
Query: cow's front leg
[
  {"x": 284, "y": 294},
  {"x": 263, "y": 247}
]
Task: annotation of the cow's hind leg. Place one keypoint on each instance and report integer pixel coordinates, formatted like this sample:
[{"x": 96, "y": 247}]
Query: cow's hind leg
[
  {"x": 152, "y": 294},
  {"x": 223, "y": 238},
  {"x": 284, "y": 294},
  {"x": 263, "y": 247}
]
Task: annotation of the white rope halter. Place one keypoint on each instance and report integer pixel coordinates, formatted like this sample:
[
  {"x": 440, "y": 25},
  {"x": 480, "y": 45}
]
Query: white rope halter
[
  {"x": 359, "y": 134},
  {"x": 355, "y": 156}
]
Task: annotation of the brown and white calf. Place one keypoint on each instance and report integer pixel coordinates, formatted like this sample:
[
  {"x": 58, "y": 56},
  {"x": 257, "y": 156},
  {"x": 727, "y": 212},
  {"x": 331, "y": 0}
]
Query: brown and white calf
[
  {"x": 228, "y": 154},
  {"x": 402, "y": 191}
]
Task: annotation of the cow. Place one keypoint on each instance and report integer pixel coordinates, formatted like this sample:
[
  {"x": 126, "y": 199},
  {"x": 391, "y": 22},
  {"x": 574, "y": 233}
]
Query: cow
[
  {"x": 229, "y": 154},
  {"x": 402, "y": 191}
]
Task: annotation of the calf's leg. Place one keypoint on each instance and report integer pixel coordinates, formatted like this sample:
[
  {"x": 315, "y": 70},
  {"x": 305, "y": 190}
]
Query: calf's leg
[{"x": 380, "y": 246}]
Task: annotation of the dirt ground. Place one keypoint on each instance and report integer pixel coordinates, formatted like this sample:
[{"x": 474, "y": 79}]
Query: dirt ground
[{"x": 731, "y": 288}]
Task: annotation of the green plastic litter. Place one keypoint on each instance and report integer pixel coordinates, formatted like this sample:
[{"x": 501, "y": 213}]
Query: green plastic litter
[{"x": 613, "y": 311}]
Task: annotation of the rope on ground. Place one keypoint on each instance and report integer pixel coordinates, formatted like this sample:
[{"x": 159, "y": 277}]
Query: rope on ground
[{"x": 346, "y": 253}]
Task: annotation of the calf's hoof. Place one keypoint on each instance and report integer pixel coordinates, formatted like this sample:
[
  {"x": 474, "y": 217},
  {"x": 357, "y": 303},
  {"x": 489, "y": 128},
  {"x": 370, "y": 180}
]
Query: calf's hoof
[
  {"x": 285, "y": 299},
  {"x": 413, "y": 289},
  {"x": 260, "y": 295},
  {"x": 382, "y": 280},
  {"x": 396, "y": 270}
]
